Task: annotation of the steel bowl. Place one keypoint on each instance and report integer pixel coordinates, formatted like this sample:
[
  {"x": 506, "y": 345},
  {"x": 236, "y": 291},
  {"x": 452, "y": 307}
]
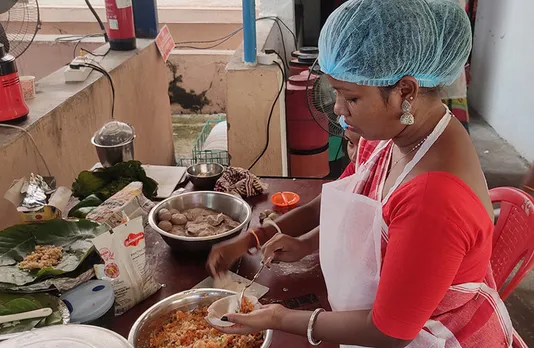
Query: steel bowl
[
  {"x": 225, "y": 203},
  {"x": 109, "y": 155},
  {"x": 154, "y": 317},
  {"x": 204, "y": 176}
]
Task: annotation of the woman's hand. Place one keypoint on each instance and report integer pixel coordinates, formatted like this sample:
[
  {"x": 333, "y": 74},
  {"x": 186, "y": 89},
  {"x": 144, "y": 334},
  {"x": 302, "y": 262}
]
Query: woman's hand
[
  {"x": 285, "y": 248},
  {"x": 225, "y": 254},
  {"x": 258, "y": 320}
]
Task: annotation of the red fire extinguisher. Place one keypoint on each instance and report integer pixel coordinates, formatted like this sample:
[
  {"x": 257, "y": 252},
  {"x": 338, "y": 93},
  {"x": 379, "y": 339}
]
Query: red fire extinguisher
[{"x": 121, "y": 29}]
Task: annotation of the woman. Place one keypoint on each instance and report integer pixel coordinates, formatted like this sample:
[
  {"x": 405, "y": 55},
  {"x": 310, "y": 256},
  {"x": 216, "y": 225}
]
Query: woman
[{"x": 404, "y": 242}]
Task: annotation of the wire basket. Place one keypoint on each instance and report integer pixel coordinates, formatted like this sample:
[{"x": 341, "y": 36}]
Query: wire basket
[{"x": 206, "y": 156}]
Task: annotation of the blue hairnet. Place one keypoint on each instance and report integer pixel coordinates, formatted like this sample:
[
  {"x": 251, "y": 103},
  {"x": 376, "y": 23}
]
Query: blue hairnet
[{"x": 378, "y": 42}]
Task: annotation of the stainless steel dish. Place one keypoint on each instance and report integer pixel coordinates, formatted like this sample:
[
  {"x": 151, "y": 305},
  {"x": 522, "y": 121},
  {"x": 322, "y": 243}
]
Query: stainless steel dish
[
  {"x": 111, "y": 155},
  {"x": 204, "y": 176},
  {"x": 233, "y": 206},
  {"x": 155, "y": 316},
  {"x": 114, "y": 143}
]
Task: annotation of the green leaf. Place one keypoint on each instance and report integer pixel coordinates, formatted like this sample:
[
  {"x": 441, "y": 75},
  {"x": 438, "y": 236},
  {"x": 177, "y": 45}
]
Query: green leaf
[
  {"x": 18, "y": 241},
  {"x": 83, "y": 208},
  {"x": 16, "y": 303},
  {"x": 105, "y": 182}
]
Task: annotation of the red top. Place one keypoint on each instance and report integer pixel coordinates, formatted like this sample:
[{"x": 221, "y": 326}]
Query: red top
[{"x": 440, "y": 235}]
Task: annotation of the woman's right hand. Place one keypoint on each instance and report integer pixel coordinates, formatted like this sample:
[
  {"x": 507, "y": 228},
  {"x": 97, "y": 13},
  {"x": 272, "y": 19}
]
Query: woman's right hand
[
  {"x": 225, "y": 254},
  {"x": 284, "y": 248}
]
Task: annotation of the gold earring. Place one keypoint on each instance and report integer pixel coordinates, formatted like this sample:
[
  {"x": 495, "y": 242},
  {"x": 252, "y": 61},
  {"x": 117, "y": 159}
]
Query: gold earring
[{"x": 407, "y": 118}]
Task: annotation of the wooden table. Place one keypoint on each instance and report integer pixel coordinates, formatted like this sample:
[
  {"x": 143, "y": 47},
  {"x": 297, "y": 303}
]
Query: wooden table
[{"x": 299, "y": 285}]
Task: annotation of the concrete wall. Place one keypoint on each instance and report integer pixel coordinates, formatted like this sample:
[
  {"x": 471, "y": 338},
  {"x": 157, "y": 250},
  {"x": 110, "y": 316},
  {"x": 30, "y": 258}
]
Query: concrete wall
[
  {"x": 63, "y": 117},
  {"x": 285, "y": 10},
  {"x": 502, "y": 73},
  {"x": 198, "y": 85},
  {"x": 198, "y": 81},
  {"x": 250, "y": 94}
]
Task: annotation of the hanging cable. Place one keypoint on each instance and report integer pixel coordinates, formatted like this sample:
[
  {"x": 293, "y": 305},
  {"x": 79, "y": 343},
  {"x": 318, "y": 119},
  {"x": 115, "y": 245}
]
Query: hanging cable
[
  {"x": 100, "y": 69},
  {"x": 33, "y": 142},
  {"x": 268, "y": 132},
  {"x": 97, "y": 17}
]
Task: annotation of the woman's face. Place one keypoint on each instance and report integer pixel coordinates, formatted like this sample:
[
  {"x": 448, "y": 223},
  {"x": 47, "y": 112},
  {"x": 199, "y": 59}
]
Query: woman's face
[
  {"x": 352, "y": 145},
  {"x": 366, "y": 111}
]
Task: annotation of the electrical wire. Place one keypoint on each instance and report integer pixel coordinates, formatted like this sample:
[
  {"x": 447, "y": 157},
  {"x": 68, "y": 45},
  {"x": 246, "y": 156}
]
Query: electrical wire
[
  {"x": 185, "y": 44},
  {"x": 97, "y": 17},
  {"x": 268, "y": 135},
  {"x": 33, "y": 142},
  {"x": 95, "y": 54},
  {"x": 100, "y": 69}
]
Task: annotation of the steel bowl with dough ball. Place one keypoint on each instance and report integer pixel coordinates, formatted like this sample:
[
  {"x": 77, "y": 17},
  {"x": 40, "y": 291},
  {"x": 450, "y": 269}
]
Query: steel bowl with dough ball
[{"x": 234, "y": 207}]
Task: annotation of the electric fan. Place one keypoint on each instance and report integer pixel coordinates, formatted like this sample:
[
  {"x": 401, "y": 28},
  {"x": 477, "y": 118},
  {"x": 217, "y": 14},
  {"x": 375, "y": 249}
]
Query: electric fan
[
  {"x": 321, "y": 98},
  {"x": 19, "y": 22}
]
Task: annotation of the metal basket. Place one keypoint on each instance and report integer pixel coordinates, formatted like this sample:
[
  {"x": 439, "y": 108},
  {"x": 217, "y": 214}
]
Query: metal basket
[{"x": 206, "y": 156}]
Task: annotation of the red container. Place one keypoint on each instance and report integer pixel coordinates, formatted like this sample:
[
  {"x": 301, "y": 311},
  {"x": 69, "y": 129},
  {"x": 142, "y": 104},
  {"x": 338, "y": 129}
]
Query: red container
[
  {"x": 309, "y": 166},
  {"x": 303, "y": 131},
  {"x": 296, "y": 67},
  {"x": 12, "y": 105},
  {"x": 121, "y": 29}
]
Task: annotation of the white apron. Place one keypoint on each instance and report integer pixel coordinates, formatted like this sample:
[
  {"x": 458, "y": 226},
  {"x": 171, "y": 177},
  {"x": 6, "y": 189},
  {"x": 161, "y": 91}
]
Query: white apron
[{"x": 350, "y": 238}]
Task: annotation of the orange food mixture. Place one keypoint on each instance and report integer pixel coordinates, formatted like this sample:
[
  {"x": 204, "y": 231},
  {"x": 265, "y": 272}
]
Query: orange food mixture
[
  {"x": 190, "y": 330},
  {"x": 246, "y": 305}
]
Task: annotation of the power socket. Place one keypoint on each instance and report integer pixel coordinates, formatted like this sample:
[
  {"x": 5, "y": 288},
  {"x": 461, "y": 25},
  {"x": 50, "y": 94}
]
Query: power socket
[
  {"x": 76, "y": 72},
  {"x": 266, "y": 58}
]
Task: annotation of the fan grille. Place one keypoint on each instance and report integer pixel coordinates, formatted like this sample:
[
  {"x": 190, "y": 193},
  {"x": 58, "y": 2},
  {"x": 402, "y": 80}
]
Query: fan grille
[
  {"x": 18, "y": 26},
  {"x": 321, "y": 101}
]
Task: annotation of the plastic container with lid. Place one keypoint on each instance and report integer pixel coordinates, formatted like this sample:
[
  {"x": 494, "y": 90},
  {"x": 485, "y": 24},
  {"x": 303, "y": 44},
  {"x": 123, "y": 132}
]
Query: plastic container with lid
[
  {"x": 90, "y": 303},
  {"x": 68, "y": 336},
  {"x": 114, "y": 143}
]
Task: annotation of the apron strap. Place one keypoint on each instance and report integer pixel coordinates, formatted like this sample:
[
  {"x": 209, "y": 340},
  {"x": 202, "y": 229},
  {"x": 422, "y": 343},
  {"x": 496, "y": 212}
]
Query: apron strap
[{"x": 432, "y": 138}]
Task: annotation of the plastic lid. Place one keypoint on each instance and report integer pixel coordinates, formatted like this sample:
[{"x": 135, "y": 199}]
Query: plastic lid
[
  {"x": 114, "y": 133},
  {"x": 89, "y": 301},
  {"x": 71, "y": 336},
  {"x": 285, "y": 199}
]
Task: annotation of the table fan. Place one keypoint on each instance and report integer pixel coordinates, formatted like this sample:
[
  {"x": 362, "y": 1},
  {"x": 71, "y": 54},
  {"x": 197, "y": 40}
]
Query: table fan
[
  {"x": 321, "y": 98},
  {"x": 19, "y": 22}
]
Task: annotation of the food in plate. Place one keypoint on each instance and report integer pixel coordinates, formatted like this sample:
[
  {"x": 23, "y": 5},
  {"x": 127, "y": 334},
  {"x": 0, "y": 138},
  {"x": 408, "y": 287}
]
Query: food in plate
[
  {"x": 195, "y": 222},
  {"x": 246, "y": 305},
  {"x": 191, "y": 330},
  {"x": 43, "y": 256}
]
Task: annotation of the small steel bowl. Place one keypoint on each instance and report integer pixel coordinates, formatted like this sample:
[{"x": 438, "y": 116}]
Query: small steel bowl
[
  {"x": 204, "y": 176},
  {"x": 234, "y": 207},
  {"x": 154, "y": 317}
]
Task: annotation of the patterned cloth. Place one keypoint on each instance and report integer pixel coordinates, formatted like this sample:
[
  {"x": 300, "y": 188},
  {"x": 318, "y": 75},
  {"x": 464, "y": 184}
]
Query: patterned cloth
[
  {"x": 469, "y": 313},
  {"x": 240, "y": 182},
  {"x": 459, "y": 108}
]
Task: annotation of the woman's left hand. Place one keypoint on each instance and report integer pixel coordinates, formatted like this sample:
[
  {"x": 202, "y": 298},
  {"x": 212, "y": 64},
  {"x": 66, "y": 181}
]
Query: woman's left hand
[{"x": 260, "y": 319}]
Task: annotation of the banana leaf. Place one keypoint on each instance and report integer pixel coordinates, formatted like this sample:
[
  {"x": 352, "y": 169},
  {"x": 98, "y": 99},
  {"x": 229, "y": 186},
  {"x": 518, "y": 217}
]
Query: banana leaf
[
  {"x": 84, "y": 207},
  {"x": 13, "y": 304},
  {"x": 18, "y": 241}
]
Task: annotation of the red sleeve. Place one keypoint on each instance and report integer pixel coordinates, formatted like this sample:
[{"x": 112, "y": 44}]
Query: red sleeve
[
  {"x": 351, "y": 169},
  {"x": 438, "y": 230}
]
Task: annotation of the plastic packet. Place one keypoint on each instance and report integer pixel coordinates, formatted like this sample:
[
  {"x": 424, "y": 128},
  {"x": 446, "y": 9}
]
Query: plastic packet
[{"x": 125, "y": 265}]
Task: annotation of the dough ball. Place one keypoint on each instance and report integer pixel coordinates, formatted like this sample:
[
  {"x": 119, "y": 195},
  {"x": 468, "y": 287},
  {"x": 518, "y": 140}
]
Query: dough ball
[
  {"x": 164, "y": 215},
  {"x": 174, "y": 211},
  {"x": 178, "y": 219},
  {"x": 165, "y": 226}
]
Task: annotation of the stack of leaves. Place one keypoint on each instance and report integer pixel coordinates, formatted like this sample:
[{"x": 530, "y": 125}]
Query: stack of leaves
[
  {"x": 18, "y": 303},
  {"x": 105, "y": 182},
  {"x": 17, "y": 242}
]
